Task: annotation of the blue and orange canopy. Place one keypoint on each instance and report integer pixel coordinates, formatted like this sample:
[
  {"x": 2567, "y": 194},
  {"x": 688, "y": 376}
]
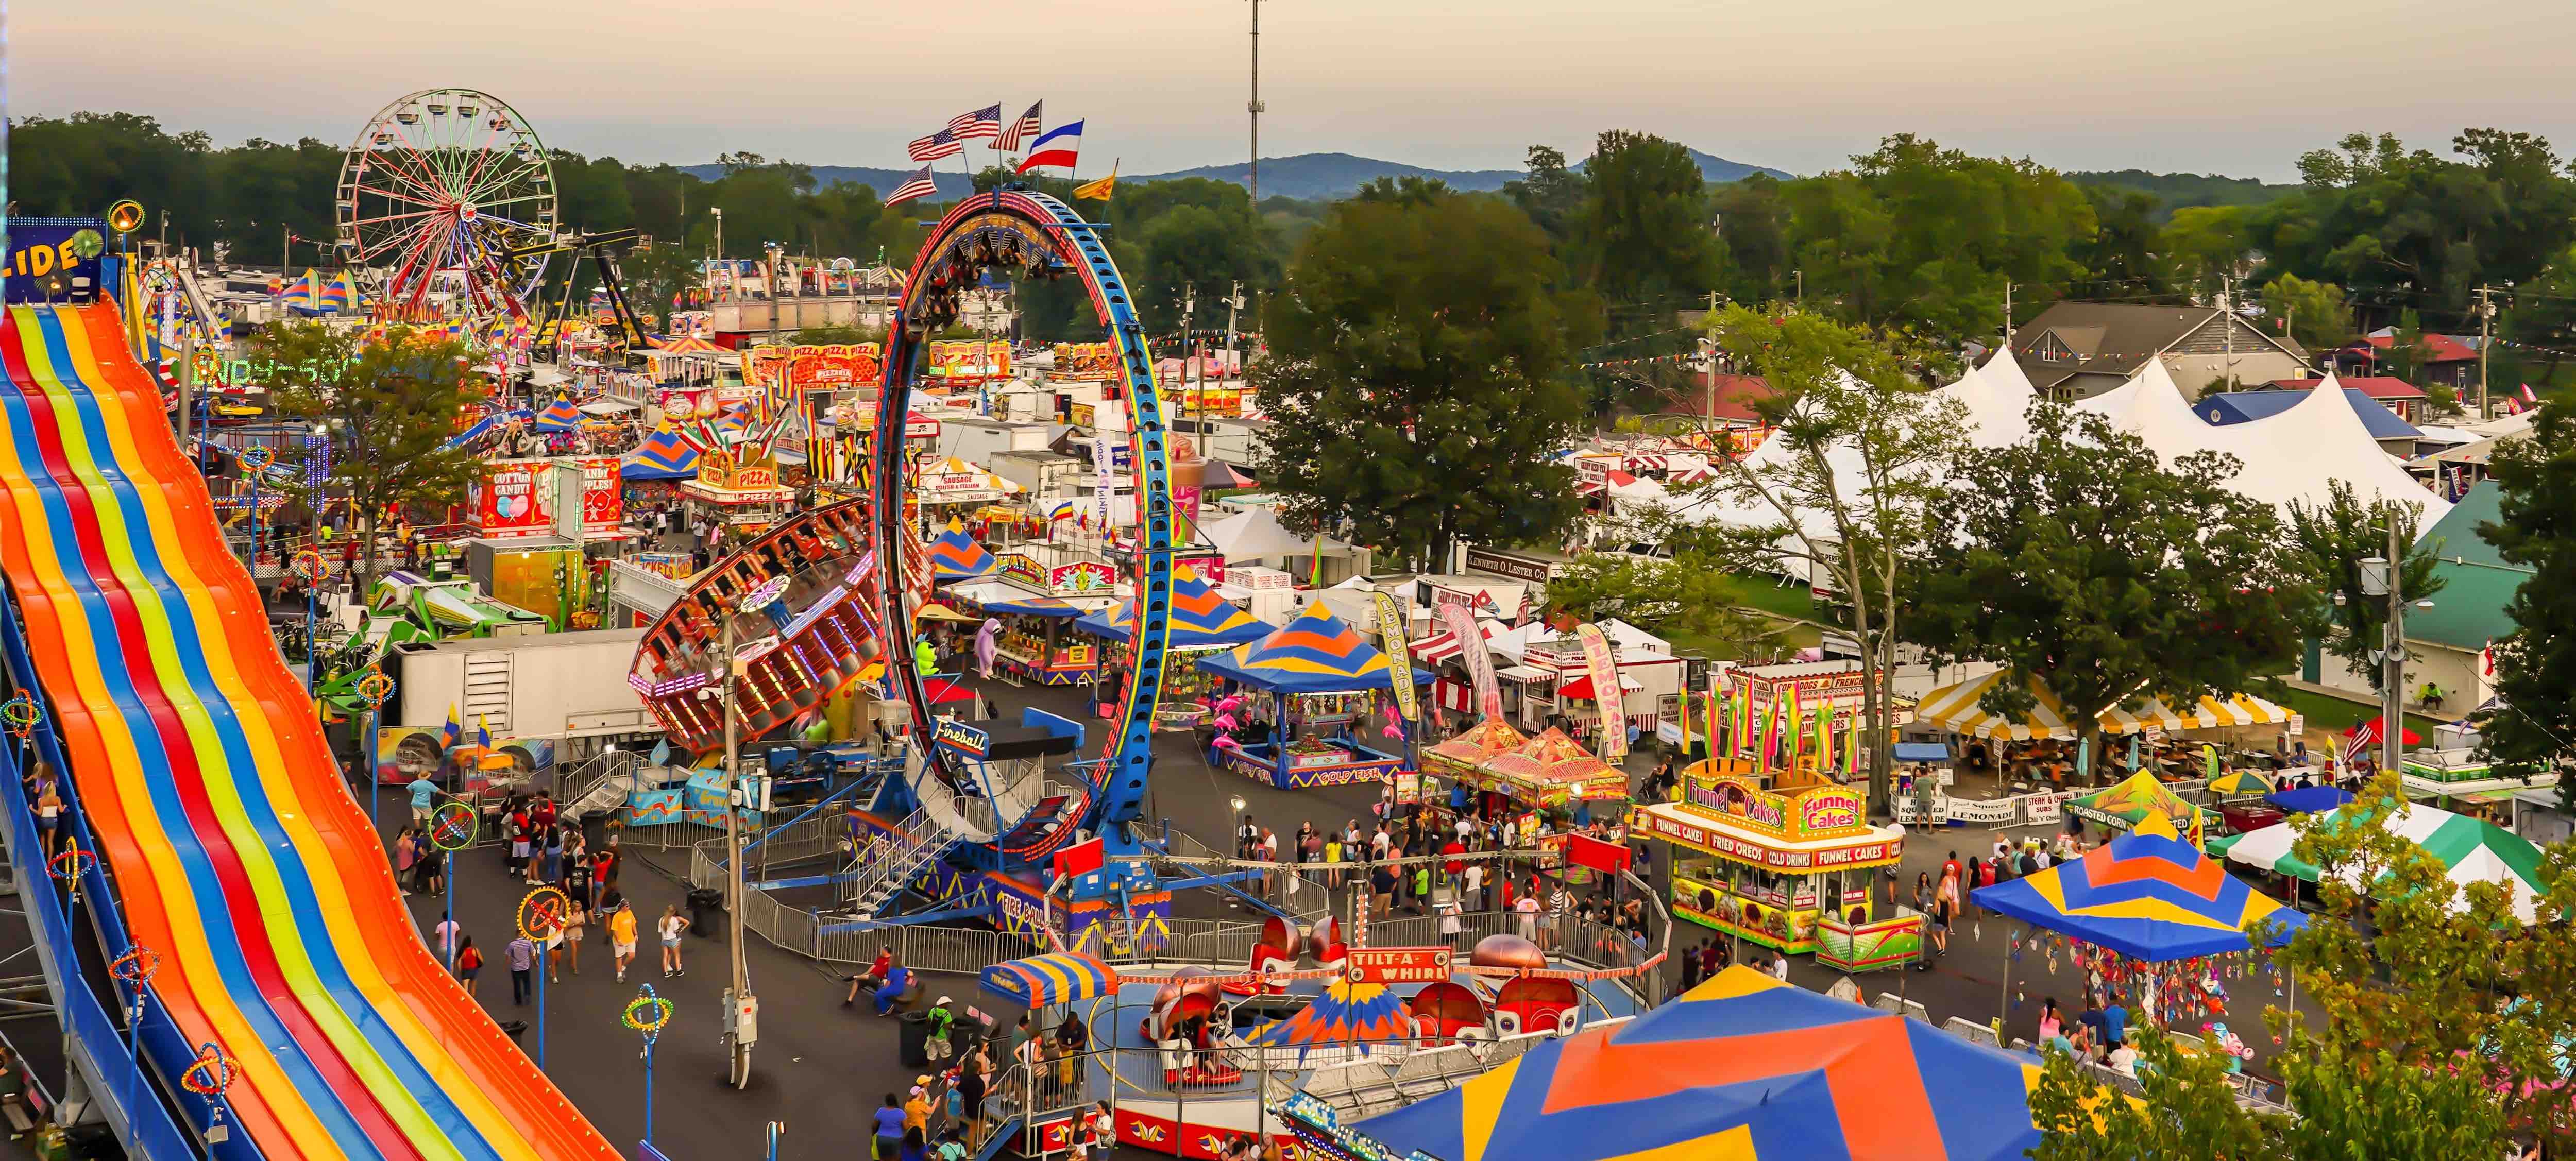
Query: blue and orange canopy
[
  {"x": 2148, "y": 895},
  {"x": 559, "y": 415},
  {"x": 1316, "y": 653},
  {"x": 662, "y": 456},
  {"x": 955, "y": 556},
  {"x": 1046, "y": 980},
  {"x": 1743, "y": 1066},
  {"x": 1345, "y": 1015},
  {"x": 1200, "y": 618}
]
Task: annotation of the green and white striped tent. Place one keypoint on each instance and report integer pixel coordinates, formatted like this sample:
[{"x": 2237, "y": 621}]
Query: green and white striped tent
[{"x": 2475, "y": 851}]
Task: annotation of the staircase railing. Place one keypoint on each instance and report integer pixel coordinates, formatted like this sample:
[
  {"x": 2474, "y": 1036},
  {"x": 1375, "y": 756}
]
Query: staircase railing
[{"x": 891, "y": 860}]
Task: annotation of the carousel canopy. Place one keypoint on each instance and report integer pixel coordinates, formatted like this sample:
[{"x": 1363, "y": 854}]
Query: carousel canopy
[
  {"x": 1345, "y": 1015},
  {"x": 1743, "y": 1066},
  {"x": 1316, "y": 653},
  {"x": 1043, "y": 980},
  {"x": 955, "y": 555},
  {"x": 662, "y": 456},
  {"x": 561, "y": 415},
  {"x": 2146, "y": 894},
  {"x": 1200, "y": 618},
  {"x": 2474, "y": 850}
]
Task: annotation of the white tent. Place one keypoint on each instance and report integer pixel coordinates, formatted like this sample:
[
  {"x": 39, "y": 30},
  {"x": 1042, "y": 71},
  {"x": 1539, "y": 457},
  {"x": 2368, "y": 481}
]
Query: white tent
[
  {"x": 1256, "y": 534},
  {"x": 2293, "y": 455}
]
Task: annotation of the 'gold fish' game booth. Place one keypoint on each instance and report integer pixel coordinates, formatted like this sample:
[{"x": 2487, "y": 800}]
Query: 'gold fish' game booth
[{"x": 1786, "y": 870}]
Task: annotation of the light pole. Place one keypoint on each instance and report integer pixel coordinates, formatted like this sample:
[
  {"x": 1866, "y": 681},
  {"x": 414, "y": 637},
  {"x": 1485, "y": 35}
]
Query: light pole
[
  {"x": 718, "y": 211},
  {"x": 742, "y": 1009},
  {"x": 2385, "y": 577}
]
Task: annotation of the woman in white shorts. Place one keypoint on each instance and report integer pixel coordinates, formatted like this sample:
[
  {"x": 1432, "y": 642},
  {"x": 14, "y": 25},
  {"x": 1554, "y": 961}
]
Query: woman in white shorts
[{"x": 673, "y": 923}]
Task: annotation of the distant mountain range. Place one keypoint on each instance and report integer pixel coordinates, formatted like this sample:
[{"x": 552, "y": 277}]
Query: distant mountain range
[{"x": 1306, "y": 175}]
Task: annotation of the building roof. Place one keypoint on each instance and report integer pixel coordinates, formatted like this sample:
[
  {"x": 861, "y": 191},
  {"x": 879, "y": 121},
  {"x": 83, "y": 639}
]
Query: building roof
[
  {"x": 2228, "y": 407},
  {"x": 2440, "y": 348},
  {"x": 2381, "y": 387},
  {"x": 2113, "y": 338},
  {"x": 2469, "y": 609},
  {"x": 1734, "y": 397}
]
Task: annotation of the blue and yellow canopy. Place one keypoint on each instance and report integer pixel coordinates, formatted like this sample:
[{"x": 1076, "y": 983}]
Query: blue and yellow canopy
[
  {"x": 1200, "y": 618},
  {"x": 1046, "y": 980},
  {"x": 1742, "y": 1067},
  {"x": 662, "y": 456},
  {"x": 955, "y": 556},
  {"x": 2148, "y": 895},
  {"x": 1316, "y": 653}
]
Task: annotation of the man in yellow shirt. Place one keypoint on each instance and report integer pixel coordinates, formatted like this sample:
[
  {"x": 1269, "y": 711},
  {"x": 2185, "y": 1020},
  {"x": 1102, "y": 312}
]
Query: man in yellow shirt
[{"x": 621, "y": 937}]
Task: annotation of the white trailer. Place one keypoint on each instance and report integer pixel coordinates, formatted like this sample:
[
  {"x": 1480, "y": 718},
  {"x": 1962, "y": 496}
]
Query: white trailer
[{"x": 551, "y": 685}]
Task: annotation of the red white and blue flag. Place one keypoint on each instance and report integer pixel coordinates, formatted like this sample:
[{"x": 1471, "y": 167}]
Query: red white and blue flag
[
  {"x": 1060, "y": 147},
  {"x": 984, "y": 122},
  {"x": 1021, "y": 130},
  {"x": 941, "y": 144},
  {"x": 918, "y": 185}
]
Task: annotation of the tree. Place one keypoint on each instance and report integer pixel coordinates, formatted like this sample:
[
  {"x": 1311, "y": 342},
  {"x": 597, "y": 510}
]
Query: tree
[
  {"x": 2543, "y": 314},
  {"x": 390, "y": 408},
  {"x": 2335, "y": 537},
  {"x": 2535, "y": 668},
  {"x": 1552, "y": 195},
  {"x": 1753, "y": 228},
  {"x": 2119, "y": 260},
  {"x": 2079, "y": 561},
  {"x": 1643, "y": 235},
  {"x": 1418, "y": 379},
  {"x": 1914, "y": 234},
  {"x": 1843, "y": 481},
  {"x": 2443, "y": 1035},
  {"x": 1683, "y": 597},
  {"x": 2313, "y": 314},
  {"x": 2205, "y": 246}
]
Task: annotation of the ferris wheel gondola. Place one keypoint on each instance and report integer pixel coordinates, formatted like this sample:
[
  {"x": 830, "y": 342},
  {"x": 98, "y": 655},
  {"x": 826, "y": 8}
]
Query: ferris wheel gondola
[{"x": 445, "y": 191}]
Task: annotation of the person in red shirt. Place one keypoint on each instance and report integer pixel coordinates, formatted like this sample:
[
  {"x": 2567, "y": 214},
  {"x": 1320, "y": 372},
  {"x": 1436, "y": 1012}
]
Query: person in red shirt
[{"x": 1453, "y": 864}]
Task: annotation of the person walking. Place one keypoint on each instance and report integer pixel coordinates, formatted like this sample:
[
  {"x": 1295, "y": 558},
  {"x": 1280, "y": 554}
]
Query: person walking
[
  {"x": 939, "y": 1025},
  {"x": 566, "y": 950},
  {"x": 469, "y": 962},
  {"x": 424, "y": 794},
  {"x": 406, "y": 852},
  {"x": 621, "y": 938},
  {"x": 673, "y": 924},
  {"x": 523, "y": 969},
  {"x": 888, "y": 1120}
]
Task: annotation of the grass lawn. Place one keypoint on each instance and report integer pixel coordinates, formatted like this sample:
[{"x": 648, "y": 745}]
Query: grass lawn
[
  {"x": 1796, "y": 637},
  {"x": 1765, "y": 592},
  {"x": 2335, "y": 715}
]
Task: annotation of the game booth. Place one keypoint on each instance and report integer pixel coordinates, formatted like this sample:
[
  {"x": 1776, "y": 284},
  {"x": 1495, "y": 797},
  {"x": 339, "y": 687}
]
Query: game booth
[
  {"x": 1549, "y": 774},
  {"x": 1785, "y": 869},
  {"x": 742, "y": 494},
  {"x": 1201, "y": 623},
  {"x": 1035, "y": 642},
  {"x": 1324, "y": 684}
]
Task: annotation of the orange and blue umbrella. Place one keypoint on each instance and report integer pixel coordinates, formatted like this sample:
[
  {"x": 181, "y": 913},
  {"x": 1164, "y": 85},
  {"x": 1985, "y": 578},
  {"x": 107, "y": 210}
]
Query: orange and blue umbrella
[
  {"x": 662, "y": 456},
  {"x": 559, "y": 415},
  {"x": 2148, "y": 895},
  {"x": 955, "y": 556},
  {"x": 1042, "y": 981}
]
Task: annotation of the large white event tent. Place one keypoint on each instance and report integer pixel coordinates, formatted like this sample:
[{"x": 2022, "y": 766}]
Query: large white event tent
[{"x": 2293, "y": 455}]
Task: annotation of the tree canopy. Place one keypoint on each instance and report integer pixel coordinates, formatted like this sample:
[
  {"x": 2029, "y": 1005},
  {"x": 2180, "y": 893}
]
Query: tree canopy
[
  {"x": 2334, "y": 538},
  {"x": 1417, "y": 382},
  {"x": 2535, "y": 668},
  {"x": 2081, "y": 561}
]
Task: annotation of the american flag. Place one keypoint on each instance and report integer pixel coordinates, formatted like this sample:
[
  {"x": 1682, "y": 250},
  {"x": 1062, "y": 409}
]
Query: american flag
[
  {"x": 917, "y": 186},
  {"x": 1020, "y": 130},
  {"x": 984, "y": 122},
  {"x": 937, "y": 145}
]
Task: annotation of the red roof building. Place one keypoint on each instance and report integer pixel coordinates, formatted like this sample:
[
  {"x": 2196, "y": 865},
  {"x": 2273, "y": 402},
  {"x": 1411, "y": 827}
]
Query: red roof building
[
  {"x": 2398, "y": 395},
  {"x": 1725, "y": 398}
]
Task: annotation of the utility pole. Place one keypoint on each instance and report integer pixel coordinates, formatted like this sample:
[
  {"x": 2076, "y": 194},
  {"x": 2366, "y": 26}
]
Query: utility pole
[
  {"x": 740, "y": 1008},
  {"x": 775, "y": 252},
  {"x": 285, "y": 240},
  {"x": 1189, "y": 347},
  {"x": 2392, "y": 715},
  {"x": 2227, "y": 310},
  {"x": 1254, "y": 106},
  {"x": 1709, "y": 415},
  {"x": 2008, "y": 327},
  {"x": 2486, "y": 327},
  {"x": 1801, "y": 277}
]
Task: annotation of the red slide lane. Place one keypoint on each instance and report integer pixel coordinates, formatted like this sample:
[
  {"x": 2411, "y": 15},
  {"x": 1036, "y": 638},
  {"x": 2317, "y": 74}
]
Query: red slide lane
[
  {"x": 250, "y": 930},
  {"x": 533, "y": 1105}
]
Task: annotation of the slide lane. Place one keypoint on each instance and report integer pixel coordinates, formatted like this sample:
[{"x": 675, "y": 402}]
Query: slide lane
[
  {"x": 483, "y": 1094},
  {"x": 91, "y": 652},
  {"x": 267, "y": 896}
]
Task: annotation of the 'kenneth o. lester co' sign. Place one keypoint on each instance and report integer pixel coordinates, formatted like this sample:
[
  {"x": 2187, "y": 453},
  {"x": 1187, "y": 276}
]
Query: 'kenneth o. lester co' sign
[
  {"x": 1504, "y": 564},
  {"x": 1398, "y": 965}
]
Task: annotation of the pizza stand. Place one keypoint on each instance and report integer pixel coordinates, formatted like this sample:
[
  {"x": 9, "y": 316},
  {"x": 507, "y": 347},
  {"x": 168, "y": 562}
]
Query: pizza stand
[
  {"x": 743, "y": 495},
  {"x": 1789, "y": 871}
]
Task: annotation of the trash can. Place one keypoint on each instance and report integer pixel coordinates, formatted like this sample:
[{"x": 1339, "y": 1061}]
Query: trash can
[
  {"x": 703, "y": 903},
  {"x": 912, "y": 1039}
]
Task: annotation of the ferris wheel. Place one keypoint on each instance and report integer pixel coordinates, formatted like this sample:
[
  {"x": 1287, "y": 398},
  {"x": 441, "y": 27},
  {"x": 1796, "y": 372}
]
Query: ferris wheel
[{"x": 439, "y": 193}]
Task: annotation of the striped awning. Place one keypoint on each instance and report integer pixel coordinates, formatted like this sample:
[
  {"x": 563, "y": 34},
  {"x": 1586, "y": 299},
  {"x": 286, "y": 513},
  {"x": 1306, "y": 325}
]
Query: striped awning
[
  {"x": 1046, "y": 980},
  {"x": 2244, "y": 709},
  {"x": 1954, "y": 708},
  {"x": 1442, "y": 646}
]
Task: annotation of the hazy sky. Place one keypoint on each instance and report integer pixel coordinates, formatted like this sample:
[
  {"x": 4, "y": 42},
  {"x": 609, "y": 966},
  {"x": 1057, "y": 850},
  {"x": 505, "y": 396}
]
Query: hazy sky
[{"x": 2226, "y": 86}]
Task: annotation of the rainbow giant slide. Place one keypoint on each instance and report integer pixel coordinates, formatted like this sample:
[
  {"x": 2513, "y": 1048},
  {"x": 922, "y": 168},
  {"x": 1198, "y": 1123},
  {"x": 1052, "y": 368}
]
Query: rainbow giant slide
[{"x": 239, "y": 853}]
